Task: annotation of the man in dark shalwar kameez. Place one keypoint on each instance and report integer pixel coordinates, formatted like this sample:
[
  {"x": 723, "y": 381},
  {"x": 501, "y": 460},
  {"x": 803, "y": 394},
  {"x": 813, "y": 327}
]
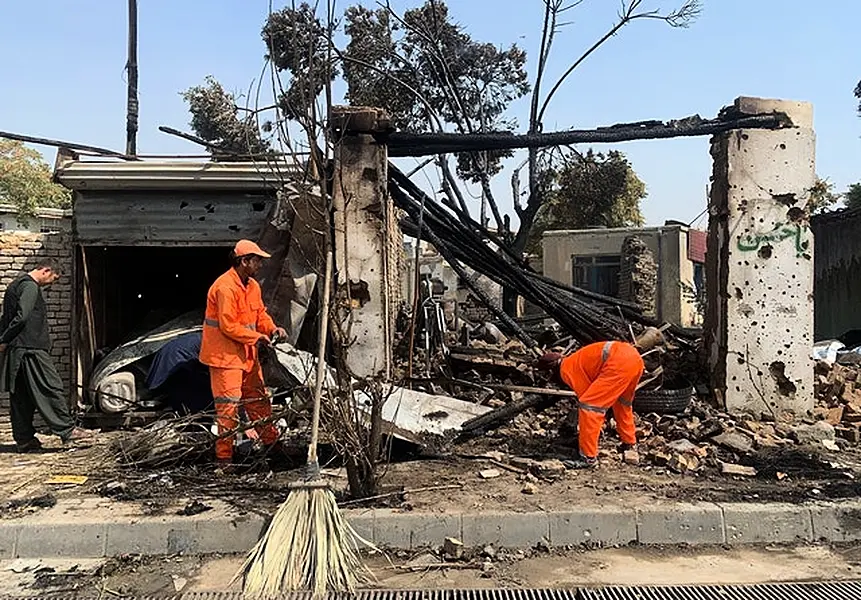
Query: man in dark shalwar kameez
[{"x": 26, "y": 369}]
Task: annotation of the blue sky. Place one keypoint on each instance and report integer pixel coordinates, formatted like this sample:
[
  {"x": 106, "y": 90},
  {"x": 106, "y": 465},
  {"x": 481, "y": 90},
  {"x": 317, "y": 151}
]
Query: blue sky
[{"x": 62, "y": 75}]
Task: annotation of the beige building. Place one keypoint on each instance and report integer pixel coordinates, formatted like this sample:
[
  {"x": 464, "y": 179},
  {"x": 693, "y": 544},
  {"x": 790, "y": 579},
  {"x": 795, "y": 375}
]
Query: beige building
[
  {"x": 47, "y": 220},
  {"x": 592, "y": 259}
]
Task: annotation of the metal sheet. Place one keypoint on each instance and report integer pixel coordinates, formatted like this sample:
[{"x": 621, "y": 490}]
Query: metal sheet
[
  {"x": 169, "y": 218},
  {"x": 409, "y": 411}
]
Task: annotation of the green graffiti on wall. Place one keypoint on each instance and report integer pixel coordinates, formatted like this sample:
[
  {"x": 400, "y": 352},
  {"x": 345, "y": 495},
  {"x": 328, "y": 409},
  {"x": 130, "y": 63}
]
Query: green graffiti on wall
[{"x": 752, "y": 242}]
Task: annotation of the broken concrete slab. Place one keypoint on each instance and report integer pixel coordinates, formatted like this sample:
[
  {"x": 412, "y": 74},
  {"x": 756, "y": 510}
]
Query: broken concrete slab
[
  {"x": 737, "y": 470},
  {"x": 683, "y": 446},
  {"x": 813, "y": 434},
  {"x": 489, "y": 473},
  {"x": 418, "y": 412},
  {"x": 733, "y": 439}
]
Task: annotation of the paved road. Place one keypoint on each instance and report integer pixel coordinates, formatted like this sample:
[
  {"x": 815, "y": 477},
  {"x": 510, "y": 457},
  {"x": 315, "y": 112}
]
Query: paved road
[{"x": 634, "y": 566}]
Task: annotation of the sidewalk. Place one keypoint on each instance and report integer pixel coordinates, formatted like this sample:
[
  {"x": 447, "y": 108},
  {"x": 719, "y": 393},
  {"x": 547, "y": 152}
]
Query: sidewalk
[{"x": 91, "y": 527}]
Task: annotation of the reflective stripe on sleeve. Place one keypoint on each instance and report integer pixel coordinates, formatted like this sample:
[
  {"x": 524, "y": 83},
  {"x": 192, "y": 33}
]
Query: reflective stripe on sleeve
[{"x": 214, "y": 323}]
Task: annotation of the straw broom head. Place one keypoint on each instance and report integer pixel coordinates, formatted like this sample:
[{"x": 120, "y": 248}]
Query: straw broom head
[{"x": 308, "y": 546}]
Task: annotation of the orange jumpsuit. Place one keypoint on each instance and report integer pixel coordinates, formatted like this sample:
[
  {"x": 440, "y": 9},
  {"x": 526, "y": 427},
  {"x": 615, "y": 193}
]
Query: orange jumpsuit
[
  {"x": 235, "y": 320},
  {"x": 604, "y": 375}
]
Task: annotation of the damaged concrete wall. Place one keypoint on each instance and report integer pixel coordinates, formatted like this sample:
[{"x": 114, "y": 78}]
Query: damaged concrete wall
[
  {"x": 837, "y": 287},
  {"x": 368, "y": 241},
  {"x": 759, "y": 328},
  {"x": 18, "y": 253}
]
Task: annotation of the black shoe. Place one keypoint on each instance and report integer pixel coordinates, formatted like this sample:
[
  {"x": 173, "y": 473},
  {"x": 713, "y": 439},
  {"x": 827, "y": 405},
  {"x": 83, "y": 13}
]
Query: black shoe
[
  {"x": 581, "y": 462},
  {"x": 31, "y": 445}
]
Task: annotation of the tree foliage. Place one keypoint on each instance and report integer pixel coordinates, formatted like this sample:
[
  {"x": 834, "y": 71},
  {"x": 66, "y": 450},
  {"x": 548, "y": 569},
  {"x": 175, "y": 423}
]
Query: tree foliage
[
  {"x": 215, "y": 117},
  {"x": 858, "y": 95},
  {"x": 25, "y": 180},
  {"x": 822, "y": 196},
  {"x": 590, "y": 190},
  {"x": 852, "y": 197},
  {"x": 298, "y": 43},
  {"x": 432, "y": 75}
]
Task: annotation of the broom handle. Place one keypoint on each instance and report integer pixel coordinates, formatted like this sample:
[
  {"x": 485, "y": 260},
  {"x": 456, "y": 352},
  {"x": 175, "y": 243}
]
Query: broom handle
[{"x": 321, "y": 362}]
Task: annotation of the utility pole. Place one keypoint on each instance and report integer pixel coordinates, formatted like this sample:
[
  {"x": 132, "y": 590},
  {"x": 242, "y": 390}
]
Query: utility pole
[{"x": 132, "y": 73}]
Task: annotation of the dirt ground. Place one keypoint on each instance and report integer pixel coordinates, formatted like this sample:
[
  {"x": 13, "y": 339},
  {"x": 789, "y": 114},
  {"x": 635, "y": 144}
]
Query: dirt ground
[
  {"x": 440, "y": 483},
  {"x": 626, "y": 566}
]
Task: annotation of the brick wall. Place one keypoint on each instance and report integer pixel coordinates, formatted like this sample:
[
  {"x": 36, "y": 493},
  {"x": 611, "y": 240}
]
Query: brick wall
[{"x": 19, "y": 251}]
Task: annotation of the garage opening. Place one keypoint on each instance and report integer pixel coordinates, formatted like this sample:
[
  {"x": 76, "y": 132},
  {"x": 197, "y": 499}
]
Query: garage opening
[{"x": 130, "y": 290}]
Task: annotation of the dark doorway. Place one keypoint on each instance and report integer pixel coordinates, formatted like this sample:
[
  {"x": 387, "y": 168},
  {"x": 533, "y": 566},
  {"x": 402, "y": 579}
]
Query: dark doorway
[{"x": 131, "y": 290}]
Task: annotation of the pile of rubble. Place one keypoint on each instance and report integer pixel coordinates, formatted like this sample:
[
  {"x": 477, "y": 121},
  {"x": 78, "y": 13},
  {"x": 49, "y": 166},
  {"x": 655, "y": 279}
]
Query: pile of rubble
[
  {"x": 838, "y": 393},
  {"x": 703, "y": 440},
  {"x": 488, "y": 368}
]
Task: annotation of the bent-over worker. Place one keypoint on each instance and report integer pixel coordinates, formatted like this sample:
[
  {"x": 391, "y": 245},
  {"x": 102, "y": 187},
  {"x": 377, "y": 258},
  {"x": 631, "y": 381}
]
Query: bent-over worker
[
  {"x": 604, "y": 375},
  {"x": 27, "y": 371},
  {"x": 236, "y": 321}
]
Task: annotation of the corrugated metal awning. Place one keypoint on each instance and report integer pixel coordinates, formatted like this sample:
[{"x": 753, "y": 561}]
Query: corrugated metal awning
[
  {"x": 177, "y": 175},
  {"x": 169, "y": 218}
]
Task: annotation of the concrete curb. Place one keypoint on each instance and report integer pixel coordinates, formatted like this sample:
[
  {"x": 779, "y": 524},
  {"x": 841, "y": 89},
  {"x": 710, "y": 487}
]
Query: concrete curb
[{"x": 668, "y": 524}]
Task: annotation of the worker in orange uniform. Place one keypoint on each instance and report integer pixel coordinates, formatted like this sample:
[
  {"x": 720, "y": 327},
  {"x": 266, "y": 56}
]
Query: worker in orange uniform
[
  {"x": 604, "y": 375},
  {"x": 236, "y": 322}
]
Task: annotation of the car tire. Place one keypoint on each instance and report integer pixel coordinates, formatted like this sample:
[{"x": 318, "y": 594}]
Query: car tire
[{"x": 663, "y": 402}]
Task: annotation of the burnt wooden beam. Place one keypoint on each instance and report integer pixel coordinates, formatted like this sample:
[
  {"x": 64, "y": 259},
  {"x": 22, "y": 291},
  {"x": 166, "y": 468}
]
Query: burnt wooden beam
[{"x": 424, "y": 144}]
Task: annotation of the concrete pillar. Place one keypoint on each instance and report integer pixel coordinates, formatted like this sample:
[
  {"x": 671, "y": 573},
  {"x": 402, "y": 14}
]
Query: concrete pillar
[
  {"x": 368, "y": 241},
  {"x": 759, "y": 274}
]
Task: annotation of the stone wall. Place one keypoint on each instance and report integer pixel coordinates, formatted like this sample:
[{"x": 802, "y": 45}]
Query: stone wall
[
  {"x": 19, "y": 252},
  {"x": 638, "y": 275}
]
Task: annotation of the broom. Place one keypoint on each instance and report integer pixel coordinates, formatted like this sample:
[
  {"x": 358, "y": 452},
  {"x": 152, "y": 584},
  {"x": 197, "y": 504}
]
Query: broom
[{"x": 308, "y": 546}]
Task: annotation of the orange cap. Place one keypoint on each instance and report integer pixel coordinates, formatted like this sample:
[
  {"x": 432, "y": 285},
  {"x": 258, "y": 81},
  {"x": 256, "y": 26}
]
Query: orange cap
[{"x": 246, "y": 247}]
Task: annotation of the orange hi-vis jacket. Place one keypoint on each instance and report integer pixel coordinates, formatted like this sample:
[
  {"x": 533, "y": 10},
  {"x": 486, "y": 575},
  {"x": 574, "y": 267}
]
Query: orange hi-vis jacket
[{"x": 235, "y": 320}]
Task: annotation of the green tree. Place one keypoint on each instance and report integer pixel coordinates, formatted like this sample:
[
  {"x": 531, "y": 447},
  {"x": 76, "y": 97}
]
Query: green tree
[
  {"x": 590, "y": 190},
  {"x": 25, "y": 180},
  {"x": 852, "y": 197},
  {"x": 215, "y": 117},
  {"x": 431, "y": 75},
  {"x": 457, "y": 83},
  {"x": 299, "y": 44}
]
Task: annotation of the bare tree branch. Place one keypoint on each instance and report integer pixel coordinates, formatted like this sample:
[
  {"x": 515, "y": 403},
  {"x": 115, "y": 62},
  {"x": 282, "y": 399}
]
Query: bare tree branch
[
  {"x": 449, "y": 186},
  {"x": 681, "y": 17},
  {"x": 515, "y": 187}
]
